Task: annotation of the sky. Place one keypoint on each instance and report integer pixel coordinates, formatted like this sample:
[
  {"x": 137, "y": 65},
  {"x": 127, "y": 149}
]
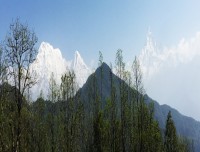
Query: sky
[{"x": 90, "y": 26}]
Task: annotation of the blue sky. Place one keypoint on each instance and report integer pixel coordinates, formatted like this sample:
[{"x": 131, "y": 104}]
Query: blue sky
[{"x": 91, "y": 25}]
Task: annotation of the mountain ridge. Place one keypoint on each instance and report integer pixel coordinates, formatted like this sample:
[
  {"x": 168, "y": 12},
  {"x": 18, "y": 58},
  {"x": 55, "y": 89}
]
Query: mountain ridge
[
  {"x": 50, "y": 60},
  {"x": 186, "y": 126}
]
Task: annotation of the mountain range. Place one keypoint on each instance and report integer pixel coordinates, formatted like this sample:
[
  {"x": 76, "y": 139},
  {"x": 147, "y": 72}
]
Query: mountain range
[
  {"x": 50, "y": 60},
  {"x": 185, "y": 126},
  {"x": 172, "y": 72}
]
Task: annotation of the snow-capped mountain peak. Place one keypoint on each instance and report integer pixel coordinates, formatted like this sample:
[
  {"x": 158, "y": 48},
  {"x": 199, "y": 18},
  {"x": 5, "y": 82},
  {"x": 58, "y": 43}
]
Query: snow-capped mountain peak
[
  {"x": 44, "y": 66},
  {"x": 50, "y": 60},
  {"x": 149, "y": 57},
  {"x": 150, "y": 49},
  {"x": 46, "y": 53},
  {"x": 44, "y": 46},
  {"x": 78, "y": 60},
  {"x": 81, "y": 69}
]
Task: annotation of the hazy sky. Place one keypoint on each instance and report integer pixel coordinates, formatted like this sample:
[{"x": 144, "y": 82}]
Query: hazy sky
[
  {"x": 107, "y": 25},
  {"x": 90, "y": 26}
]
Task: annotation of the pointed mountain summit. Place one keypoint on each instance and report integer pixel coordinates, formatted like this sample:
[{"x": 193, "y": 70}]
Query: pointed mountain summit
[
  {"x": 150, "y": 48},
  {"x": 149, "y": 57},
  {"x": 50, "y": 60},
  {"x": 81, "y": 69},
  {"x": 104, "y": 68},
  {"x": 186, "y": 126},
  {"x": 78, "y": 60},
  {"x": 94, "y": 83},
  {"x": 44, "y": 66}
]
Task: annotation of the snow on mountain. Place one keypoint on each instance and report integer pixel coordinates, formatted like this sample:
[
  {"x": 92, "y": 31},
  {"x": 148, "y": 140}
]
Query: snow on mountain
[
  {"x": 80, "y": 68},
  {"x": 154, "y": 59},
  {"x": 171, "y": 74},
  {"x": 150, "y": 57},
  {"x": 50, "y": 60}
]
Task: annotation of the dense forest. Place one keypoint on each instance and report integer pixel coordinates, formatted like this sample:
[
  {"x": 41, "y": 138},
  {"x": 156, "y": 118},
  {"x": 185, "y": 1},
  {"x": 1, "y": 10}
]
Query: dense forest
[{"x": 72, "y": 119}]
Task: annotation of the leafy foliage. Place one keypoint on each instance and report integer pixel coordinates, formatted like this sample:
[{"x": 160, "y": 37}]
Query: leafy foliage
[{"x": 108, "y": 114}]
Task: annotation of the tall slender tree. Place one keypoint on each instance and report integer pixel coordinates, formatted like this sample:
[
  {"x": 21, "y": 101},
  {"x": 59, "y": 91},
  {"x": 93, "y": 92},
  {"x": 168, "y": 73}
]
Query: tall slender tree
[
  {"x": 53, "y": 93},
  {"x": 3, "y": 107},
  {"x": 139, "y": 103},
  {"x": 53, "y": 96},
  {"x": 113, "y": 114},
  {"x": 20, "y": 52},
  {"x": 101, "y": 68},
  {"x": 170, "y": 140},
  {"x": 3, "y": 70},
  {"x": 120, "y": 66}
]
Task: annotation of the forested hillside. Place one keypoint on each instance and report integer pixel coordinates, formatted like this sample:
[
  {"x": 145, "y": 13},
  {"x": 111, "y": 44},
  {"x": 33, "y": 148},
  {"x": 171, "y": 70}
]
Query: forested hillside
[{"x": 109, "y": 113}]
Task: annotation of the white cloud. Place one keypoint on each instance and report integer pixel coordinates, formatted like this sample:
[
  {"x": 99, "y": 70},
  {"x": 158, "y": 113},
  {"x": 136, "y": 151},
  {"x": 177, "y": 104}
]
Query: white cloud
[{"x": 172, "y": 75}]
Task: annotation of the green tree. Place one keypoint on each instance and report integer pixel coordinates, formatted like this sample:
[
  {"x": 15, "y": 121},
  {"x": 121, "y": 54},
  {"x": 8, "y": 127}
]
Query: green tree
[
  {"x": 52, "y": 117},
  {"x": 151, "y": 134},
  {"x": 20, "y": 52},
  {"x": 145, "y": 132},
  {"x": 97, "y": 118},
  {"x": 185, "y": 145},
  {"x": 40, "y": 127},
  {"x": 3, "y": 70},
  {"x": 71, "y": 114},
  {"x": 101, "y": 68},
  {"x": 120, "y": 67},
  {"x": 138, "y": 106},
  {"x": 170, "y": 138},
  {"x": 114, "y": 140},
  {"x": 7, "y": 118},
  {"x": 53, "y": 94}
]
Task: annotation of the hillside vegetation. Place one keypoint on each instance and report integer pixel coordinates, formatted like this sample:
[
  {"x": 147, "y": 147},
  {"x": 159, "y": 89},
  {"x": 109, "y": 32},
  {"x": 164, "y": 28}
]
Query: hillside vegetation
[{"x": 109, "y": 113}]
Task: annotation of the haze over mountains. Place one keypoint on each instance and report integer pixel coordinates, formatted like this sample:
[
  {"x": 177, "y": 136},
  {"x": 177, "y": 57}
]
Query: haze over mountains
[
  {"x": 185, "y": 126},
  {"x": 50, "y": 60},
  {"x": 166, "y": 72},
  {"x": 171, "y": 74}
]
